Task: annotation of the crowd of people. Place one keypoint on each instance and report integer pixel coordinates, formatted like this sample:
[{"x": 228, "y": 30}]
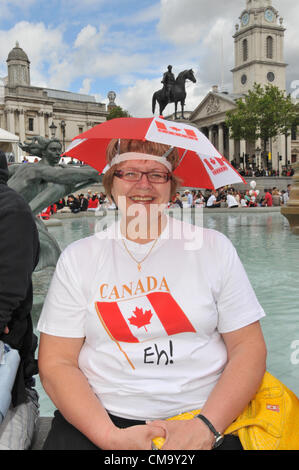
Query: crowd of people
[
  {"x": 77, "y": 203},
  {"x": 63, "y": 161},
  {"x": 229, "y": 197},
  {"x": 225, "y": 197},
  {"x": 262, "y": 172}
]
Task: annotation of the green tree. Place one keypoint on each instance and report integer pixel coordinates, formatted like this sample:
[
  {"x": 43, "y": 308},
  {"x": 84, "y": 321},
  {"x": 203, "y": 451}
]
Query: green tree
[
  {"x": 117, "y": 112},
  {"x": 289, "y": 119},
  {"x": 263, "y": 113}
]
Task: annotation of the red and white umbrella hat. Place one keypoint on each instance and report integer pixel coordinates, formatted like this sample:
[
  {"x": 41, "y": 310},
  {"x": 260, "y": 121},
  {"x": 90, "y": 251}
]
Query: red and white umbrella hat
[{"x": 201, "y": 165}]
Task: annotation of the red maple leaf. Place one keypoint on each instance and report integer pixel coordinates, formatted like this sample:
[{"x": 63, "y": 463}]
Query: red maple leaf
[{"x": 141, "y": 319}]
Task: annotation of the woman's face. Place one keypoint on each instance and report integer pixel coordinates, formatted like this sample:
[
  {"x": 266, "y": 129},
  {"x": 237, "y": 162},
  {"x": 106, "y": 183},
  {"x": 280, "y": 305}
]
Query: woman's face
[
  {"x": 53, "y": 152},
  {"x": 141, "y": 193}
]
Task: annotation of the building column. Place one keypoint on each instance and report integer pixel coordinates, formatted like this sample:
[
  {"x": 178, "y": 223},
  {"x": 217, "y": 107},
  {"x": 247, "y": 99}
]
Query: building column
[
  {"x": 41, "y": 123},
  {"x": 48, "y": 116},
  {"x": 210, "y": 134},
  {"x": 258, "y": 153},
  {"x": 11, "y": 120},
  {"x": 220, "y": 139},
  {"x": 22, "y": 125},
  {"x": 289, "y": 151},
  {"x": 285, "y": 146},
  {"x": 231, "y": 149},
  {"x": 243, "y": 150}
]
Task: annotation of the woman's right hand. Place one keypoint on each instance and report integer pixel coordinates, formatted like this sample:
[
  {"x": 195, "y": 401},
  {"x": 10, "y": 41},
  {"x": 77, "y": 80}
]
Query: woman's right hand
[{"x": 134, "y": 438}]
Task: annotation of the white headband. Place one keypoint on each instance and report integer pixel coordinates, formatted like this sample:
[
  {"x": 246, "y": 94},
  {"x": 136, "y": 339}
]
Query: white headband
[{"x": 140, "y": 156}]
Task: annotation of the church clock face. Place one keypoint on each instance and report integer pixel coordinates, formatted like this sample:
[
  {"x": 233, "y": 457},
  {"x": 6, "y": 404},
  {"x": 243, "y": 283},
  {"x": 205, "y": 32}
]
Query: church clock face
[
  {"x": 269, "y": 16},
  {"x": 245, "y": 19},
  {"x": 270, "y": 77}
]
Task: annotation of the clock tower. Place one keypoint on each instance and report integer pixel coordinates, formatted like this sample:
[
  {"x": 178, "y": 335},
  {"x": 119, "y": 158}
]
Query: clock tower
[{"x": 259, "y": 43}]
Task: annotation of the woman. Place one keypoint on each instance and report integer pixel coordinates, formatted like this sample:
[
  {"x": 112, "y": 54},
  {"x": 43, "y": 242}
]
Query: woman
[
  {"x": 93, "y": 202},
  {"x": 199, "y": 200},
  {"x": 247, "y": 197},
  {"x": 237, "y": 195},
  {"x": 276, "y": 197},
  {"x": 243, "y": 201},
  {"x": 143, "y": 322}
]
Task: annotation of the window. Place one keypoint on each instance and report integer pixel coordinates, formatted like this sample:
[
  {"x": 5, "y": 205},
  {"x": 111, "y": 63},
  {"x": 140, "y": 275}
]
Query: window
[
  {"x": 245, "y": 49},
  {"x": 294, "y": 132},
  {"x": 31, "y": 124},
  {"x": 269, "y": 47},
  {"x": 80, "y": 130}
]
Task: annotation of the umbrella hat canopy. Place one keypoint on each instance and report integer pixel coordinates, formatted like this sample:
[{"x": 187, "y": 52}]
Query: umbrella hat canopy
[{"x": 201, "y": 165}]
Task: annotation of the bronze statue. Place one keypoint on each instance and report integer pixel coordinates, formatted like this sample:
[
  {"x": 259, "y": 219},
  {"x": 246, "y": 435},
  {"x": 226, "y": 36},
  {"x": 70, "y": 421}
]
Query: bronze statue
[
  {"x": 42, "y": 184},
  {"x": 168, "y": 81},
  {"x": 175, "y": 91}
]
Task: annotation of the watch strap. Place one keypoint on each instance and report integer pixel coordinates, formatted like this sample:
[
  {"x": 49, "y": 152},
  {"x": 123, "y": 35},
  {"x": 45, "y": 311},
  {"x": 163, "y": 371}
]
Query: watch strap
[{"x": 218, "y": 436}]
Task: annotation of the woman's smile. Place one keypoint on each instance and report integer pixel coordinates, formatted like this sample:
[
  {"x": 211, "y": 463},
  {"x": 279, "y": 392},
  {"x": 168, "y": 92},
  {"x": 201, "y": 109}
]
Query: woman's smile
[{"x": 142, "y": 199}]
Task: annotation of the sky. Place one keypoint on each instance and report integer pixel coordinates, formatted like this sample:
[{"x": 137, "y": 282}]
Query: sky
[{"x": 94, "y": 46}]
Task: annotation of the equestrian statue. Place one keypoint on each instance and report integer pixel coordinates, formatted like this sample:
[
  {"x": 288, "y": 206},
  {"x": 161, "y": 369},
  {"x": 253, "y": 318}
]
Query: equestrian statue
[{"x": 173, "y": 90}]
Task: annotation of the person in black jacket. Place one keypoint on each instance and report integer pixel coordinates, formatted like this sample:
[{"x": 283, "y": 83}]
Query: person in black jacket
[
  {"x": 83, "y": 202},
  {"x": 73, "y": 203},
  {"x": 19, "y": 252}
]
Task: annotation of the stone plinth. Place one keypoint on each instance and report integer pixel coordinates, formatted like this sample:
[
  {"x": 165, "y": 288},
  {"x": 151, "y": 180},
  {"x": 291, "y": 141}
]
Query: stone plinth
[{"x": 291, "y": 210}]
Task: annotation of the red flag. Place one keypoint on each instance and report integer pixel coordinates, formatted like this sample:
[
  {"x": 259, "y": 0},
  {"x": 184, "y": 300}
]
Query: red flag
[{"x": 116, "y": 317}]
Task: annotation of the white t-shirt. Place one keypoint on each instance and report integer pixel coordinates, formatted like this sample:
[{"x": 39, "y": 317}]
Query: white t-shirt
[
  {"x": 231, "y": 200},
  {"x": 200, "y": 201},
  {"x": 285, "y": 197},
  {"x": 211, "y": 200},
  {"x": 152, "y": 338}
]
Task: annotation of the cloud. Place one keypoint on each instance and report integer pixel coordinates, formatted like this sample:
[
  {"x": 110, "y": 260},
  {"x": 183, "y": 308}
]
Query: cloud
[
  {"x": 188, "y": 22},
  {"x": 56, "y": 64},
  {"x": 289, "y": 11},
  {"x": 8, "y": 7},
  {"x": 86, "y": 84},
  {"x": 145, "y": 15},
  {"x": 89, "y": 37},
  {"x": 84, "y": 5},
  {"x": 44, "y": 46},
  {"x": 85, "y": 35}
]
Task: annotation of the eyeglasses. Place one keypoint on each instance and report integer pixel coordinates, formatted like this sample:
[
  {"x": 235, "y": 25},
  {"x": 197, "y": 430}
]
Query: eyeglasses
[{"x": 158, "y": 177}]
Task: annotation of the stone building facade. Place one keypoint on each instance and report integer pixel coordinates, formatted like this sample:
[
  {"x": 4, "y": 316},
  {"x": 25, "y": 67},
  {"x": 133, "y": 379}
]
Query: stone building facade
[{"x": 27, "y": 110}]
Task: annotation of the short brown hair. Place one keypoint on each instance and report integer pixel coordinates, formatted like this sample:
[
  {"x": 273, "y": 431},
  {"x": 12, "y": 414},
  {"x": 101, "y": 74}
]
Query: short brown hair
[{"x": 141, "y": 146}]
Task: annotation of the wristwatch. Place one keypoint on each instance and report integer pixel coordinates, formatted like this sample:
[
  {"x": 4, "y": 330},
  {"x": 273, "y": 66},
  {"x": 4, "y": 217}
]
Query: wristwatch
[{"x": 219, "y": 438}]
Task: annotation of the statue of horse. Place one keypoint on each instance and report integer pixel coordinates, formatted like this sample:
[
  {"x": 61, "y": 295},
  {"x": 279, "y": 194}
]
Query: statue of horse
[{"x": 177, "y": 94}]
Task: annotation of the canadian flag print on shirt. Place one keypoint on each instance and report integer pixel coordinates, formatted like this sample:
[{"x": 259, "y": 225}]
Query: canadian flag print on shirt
[{"x": 144, "y": 318}]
